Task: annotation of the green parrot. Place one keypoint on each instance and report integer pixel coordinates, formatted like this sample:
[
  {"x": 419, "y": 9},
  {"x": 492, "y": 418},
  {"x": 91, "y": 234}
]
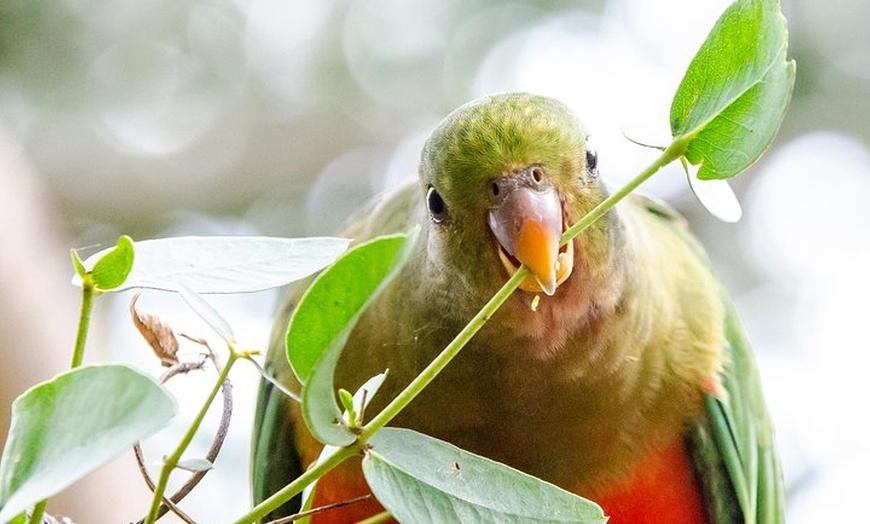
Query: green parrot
[{"x": 618, "y": 371}]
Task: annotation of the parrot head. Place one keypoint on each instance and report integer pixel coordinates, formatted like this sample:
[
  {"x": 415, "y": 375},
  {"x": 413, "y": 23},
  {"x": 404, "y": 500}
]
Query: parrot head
[{"x": 504, "y": 177}]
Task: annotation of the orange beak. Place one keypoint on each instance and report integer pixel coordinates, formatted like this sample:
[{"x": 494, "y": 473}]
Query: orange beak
[{"x": 527, "y": 223}]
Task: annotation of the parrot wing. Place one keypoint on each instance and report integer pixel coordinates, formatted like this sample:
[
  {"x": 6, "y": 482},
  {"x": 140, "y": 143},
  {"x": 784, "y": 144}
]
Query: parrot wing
[
  {"x": 275, "y": 460},
  {"x": 733, "y": 447}
]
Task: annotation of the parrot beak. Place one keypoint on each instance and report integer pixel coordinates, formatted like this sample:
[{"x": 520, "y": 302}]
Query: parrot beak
[{"x": 528, "y": 222}]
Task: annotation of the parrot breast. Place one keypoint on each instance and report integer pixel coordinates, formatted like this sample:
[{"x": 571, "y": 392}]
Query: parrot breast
[{"x": 662, "y": 490}]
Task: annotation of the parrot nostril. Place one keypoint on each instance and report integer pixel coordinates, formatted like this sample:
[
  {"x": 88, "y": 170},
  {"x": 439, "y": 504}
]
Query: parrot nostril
[
  {"x": 537, "y": 174},
  {"x": 495, "y": 189}
]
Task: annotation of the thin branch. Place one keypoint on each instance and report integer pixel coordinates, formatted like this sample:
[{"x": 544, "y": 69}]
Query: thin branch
[
  {"x": 317, "y": 470},
  {"x": 320, "y": 509},
  {"x": 227, "y": 394}
]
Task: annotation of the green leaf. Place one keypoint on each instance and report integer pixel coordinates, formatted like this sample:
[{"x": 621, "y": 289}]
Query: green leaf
[
  {"x": 68, "y": 426},
  {"x": 733, "y": 97},
  {"x": 228, "y": 264},
  {"x": 422, "y": 479},
  {"x": 77, "y": 263},
  {"x": 715, "y": 195},
  {"x": 320, "y": 412},
  {"x": 114, "y": 265},
  {"x": 207, "y": 312},
  {"x": 337, "y": 296},
  {"x": 346, "y": 399},
  {"x": 365, "y": 394},
  {"x": 354, "y": 404},
  {"x": 323, "y": 321},
  {"x": 195, "y": 465}
]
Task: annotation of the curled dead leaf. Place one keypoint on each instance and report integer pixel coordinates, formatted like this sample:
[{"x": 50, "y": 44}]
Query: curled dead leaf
[{"x": 158, "y": 334}]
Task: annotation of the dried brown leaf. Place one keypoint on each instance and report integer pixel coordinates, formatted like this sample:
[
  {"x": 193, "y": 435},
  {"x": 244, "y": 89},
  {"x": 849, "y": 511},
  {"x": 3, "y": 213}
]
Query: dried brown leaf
[{"x": 157, "y": 333}]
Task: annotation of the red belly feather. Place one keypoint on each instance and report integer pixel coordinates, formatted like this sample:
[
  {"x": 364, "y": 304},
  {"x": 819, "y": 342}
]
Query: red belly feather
[
  {"x": 662, "y": 490},
  {"x": 346, "y": 482}
]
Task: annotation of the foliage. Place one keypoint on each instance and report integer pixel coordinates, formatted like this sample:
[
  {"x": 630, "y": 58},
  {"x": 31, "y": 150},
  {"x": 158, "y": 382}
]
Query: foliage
[
  {"x": 416, "y": 475},
  {"x": 342, "y": 291},
  {"x": 68, "y": 426},
  {"x": 733, "y": 97}
]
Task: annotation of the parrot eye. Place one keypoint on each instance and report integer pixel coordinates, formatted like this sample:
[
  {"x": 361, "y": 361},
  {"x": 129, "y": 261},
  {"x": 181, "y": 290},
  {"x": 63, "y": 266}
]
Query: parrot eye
[
  {"x": 591, "y": 160},
  {"x": 436, "y": 205}
]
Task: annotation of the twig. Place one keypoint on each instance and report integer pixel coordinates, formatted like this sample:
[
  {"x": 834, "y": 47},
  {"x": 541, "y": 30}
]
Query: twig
[
  {"x": 169, "y": 503},
  {"x": 320, "y": 509},
  {"x": 323, "y": 465}
]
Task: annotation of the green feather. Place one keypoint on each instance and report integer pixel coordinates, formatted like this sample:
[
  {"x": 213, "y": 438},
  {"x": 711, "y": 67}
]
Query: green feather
[
  {"x": 732, "y": 444},
  {"x": 275, "y": 460},
  {"x": 743, "y": 435}
]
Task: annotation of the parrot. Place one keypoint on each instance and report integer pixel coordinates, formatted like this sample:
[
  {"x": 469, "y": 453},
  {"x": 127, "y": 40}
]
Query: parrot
[{"x": 618, "y": 371}]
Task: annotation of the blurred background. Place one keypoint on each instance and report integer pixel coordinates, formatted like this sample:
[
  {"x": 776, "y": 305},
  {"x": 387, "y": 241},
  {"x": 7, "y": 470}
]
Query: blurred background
[{"x": 279, "y": 117}]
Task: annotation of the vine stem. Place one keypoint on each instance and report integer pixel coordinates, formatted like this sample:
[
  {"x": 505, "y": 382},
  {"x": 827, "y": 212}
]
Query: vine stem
[
  {"x": 447, "y": 354},
  {"x": 320, "y": 468},
  {"x": 88, "y": 295},
  {"x": 676, "y": 149},
  {"x": 172, "y": 460},
  {"x": 89, "y": 292}
]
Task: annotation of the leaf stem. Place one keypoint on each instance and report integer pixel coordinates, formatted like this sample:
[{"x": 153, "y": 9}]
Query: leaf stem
[
  {"x": 320, "y": 468},
  {"x": 172, "y": 460},
  {"x": 675, "y": 150},
  {"x": 88, "y": 294},
  {"x": 38, "y": 512},
  {"x": 440, "y": 362}
]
